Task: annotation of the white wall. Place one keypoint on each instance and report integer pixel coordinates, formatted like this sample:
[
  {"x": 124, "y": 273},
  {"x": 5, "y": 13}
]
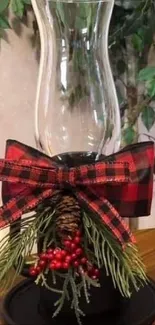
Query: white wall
[{"x": 18, "y": 78}]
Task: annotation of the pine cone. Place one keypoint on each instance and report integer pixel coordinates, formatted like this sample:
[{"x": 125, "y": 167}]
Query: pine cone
[{"x": 68, "y": 214}]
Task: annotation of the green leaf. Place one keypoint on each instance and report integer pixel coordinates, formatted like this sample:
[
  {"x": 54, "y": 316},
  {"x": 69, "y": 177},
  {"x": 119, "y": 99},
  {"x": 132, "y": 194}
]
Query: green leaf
[
  {"x": 84, "y": 9},
  {"x": 146, "y": 74},
  {"x": 128, "y": 4},
  {"x": 18, "y": 7},
  {"x": 129, "y": 135},
  {"x": 150, "y": 86},
  {"x": 27, "y": 2},
  {"x": 66, "y": 14},
  {"x": 137, "y": 42},
  {"x": 4, "y": 22},
  {"x": 91, "y": 15},
  {"x": 3, "y": 5},
  {"x": 132, "y": 23},
  {"x": 61, "y": 11},
  {"x": 149, "y": 29},
  {"x": 84, "y": 12},
  {"x": 148, "y": 117},
  {"x": 80, "y": 22},
  {"x": 121, "y": 66}
]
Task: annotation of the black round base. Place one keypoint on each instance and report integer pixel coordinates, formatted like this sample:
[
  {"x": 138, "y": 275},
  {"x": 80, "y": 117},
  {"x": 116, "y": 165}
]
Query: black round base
[{"x": 21, "y": 307}]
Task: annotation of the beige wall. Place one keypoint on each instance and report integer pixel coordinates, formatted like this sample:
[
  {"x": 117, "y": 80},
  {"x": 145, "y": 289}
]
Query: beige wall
[{"x": 18, "y": 78}]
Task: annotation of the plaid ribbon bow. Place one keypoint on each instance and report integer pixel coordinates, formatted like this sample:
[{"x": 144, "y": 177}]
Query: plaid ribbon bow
[{"x": 120, "y": 185}]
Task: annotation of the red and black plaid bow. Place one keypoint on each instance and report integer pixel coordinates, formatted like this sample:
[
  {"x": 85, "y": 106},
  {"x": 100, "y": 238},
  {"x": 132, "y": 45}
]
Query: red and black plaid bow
[{"x": 118, "y": 186}]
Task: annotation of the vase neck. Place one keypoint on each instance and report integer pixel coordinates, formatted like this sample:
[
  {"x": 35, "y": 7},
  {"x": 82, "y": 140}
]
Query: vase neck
[{"x": 77, "y": 108}]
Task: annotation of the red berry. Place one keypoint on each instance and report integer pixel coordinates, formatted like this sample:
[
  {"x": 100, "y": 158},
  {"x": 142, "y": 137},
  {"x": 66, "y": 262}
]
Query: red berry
[
  {"x": 33, "y": 271},
  {"x": 73, "y": 256},
  {"x": 78, "y": 233},
  {"x": 56, "y": 250},
  {"x": 52, "y": 266},
  {"x": 83, "y": 260},
  {"x": 76, "y": 263},
  {"x": 67, "y": 243},
  {"x": 68, "y": 259},
  {"x": 96, "y": 272},
  {"x": 42, "y": 263},
  {"x": 50, "y": 256},
  {"x": 63, "y": 253},
  {"x": 90, "y": 270},
  {"x": 50, "y": 251},
  {"x": 65, "y": 265},
  {"x": 78, "y": 251},
  {"x": 73, "y": 246},
  {"x": 43, "y": 256},
  {"x": 58, "y": 265},
  {"x": 77, "y": 240},
  {"x": 58, "y": 256},
  {"x": 38, "y": 269}
]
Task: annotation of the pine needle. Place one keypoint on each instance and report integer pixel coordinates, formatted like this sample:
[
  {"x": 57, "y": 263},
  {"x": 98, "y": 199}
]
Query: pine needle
[
  {"x": 43, "y": 281},
  {"x": 124, "y": 266},
  {"x": 14, "y": 250},
  {"x": 61, "y": 300},
  {"x": 84, "y": 284}
]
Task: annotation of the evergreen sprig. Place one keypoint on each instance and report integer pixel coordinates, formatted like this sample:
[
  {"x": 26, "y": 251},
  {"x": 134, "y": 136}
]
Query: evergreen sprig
[
  {"x": 15, "y": 249},
  {"x": 101, "y": 248},
  {"x": 124, "y": 266},
  {"x": 74, "y": 285}
]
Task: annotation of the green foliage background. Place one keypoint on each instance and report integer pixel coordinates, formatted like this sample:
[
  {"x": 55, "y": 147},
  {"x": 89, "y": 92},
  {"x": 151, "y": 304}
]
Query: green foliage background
[{"x": 131, "y": 44}]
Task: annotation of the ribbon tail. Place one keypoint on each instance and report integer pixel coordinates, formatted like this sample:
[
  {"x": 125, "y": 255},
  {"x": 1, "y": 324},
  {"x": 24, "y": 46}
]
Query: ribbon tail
[
  {"x": 24, "y": 202},
  {"x": 108, "y": 214}
]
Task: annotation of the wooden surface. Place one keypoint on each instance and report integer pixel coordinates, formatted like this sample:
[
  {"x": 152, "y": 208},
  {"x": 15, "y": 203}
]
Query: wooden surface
[{"x": 146, "y": 244}]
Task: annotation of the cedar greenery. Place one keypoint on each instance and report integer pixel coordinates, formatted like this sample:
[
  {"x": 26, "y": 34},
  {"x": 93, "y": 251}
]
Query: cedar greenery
[
  {"x": 14, "y": 250},
  {"x": 100, "y": 247}
]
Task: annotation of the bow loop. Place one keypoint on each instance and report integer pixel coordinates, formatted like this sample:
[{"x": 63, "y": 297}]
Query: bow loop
[{"x": 118, "y": 186}]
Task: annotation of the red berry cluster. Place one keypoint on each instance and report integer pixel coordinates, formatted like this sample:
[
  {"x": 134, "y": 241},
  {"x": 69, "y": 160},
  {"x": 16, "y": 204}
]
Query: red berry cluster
[{"x": 62, "y": 259}]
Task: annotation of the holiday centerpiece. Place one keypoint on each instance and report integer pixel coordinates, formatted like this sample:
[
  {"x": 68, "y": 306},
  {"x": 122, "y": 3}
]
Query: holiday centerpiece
[{"x": 78, "y": 187}]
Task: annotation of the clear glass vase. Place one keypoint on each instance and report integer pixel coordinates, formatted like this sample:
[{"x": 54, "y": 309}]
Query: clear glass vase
[
  {"x": 77, "y": 117},
  {"x": 76, "y": 107}
]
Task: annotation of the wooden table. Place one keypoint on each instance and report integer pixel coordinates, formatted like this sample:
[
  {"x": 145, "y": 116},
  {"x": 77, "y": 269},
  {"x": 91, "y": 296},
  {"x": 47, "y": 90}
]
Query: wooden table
[{"x": 146, "y": 244}]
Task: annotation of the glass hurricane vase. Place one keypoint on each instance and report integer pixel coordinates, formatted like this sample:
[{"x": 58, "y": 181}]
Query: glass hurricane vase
[
  {"x": 76, "y": 107},
  {"x": 77, "y": 117}
]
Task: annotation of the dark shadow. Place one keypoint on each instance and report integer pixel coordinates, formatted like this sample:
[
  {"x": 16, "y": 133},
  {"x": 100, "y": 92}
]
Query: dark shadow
[
  {"x": 16, "y": 24},
  {"x": 35, "y": 41},
  {"x": 4, "y": 35}
]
